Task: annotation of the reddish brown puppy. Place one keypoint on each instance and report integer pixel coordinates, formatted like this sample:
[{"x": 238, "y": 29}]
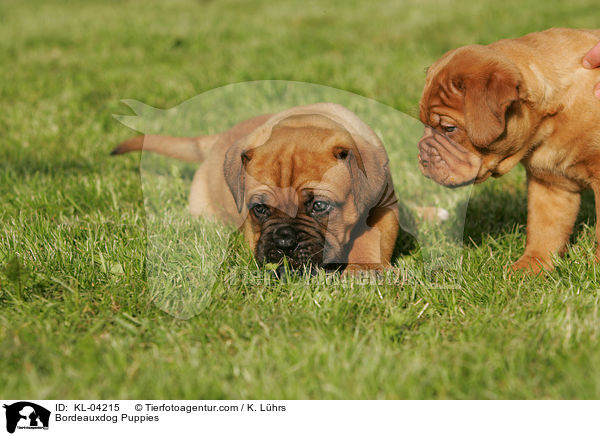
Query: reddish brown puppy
[{"x": 525, "y": 100}]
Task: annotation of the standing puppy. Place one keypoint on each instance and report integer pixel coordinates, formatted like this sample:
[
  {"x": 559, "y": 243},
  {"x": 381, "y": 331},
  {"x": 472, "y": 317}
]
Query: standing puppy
[
  {"x": 525, "y": 100},
  {"x": 310, "y": 184}
]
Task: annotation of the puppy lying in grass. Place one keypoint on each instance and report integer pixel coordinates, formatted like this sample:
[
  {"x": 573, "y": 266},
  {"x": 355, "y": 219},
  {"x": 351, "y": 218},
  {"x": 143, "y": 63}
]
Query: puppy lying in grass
[{"x": 310, "y": 184}]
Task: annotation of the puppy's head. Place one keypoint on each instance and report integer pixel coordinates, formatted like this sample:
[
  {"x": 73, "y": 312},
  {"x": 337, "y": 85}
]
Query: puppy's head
[
  {"x": 304, "y": 189},
  {"x": 475, "y": 122}
]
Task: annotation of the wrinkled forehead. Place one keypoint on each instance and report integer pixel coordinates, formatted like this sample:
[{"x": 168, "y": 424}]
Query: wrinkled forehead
[
  {"x": 297, "y": 156},
  {"x": 430, "y": 91},
  {"x": 439, "y": 96}
]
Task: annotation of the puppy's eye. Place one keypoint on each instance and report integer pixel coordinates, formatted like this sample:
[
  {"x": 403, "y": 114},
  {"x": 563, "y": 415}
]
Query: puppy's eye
[
  {"x": 260, "y": 210},
  {"x": 320, "y": 207},
  {"x": 449, "y": 129}
]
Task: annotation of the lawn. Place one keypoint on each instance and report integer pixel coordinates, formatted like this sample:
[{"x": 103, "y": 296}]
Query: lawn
[{"x": 78, "y": 316}]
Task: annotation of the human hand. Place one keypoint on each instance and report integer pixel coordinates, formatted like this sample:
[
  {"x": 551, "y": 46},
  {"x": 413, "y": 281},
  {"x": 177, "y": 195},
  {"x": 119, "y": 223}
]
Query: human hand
[{"x": 592, "y": 60}]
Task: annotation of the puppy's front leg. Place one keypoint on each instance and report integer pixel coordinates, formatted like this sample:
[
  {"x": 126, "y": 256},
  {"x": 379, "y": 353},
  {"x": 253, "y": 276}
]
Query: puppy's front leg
[
  {"x": 373, "y": 249},
  {"x": 551, "y": 213}
]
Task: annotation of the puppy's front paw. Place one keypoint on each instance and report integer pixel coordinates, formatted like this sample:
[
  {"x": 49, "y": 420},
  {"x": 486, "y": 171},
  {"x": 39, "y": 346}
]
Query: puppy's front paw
[{"x": 532, "y": 265}]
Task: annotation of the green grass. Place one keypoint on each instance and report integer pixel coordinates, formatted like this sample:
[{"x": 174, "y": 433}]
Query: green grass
[{"x": 77, "y": 318}]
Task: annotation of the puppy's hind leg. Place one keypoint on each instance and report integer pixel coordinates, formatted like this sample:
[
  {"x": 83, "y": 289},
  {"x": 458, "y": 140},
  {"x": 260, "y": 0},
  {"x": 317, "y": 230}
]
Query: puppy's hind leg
[{"x": 372, "y": 249}]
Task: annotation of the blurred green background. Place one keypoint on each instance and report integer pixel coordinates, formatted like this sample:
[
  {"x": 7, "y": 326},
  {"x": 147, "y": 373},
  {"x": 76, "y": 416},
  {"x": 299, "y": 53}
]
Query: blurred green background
[{"x": 75, "y": 317}]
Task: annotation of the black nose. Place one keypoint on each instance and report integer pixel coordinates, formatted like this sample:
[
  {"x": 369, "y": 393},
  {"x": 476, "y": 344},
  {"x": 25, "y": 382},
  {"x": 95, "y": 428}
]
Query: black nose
[{"x": 285, "y": 238}]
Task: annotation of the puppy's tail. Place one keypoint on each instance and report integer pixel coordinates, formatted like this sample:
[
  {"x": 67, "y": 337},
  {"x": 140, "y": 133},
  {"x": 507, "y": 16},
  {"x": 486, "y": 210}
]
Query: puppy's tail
[{"x": 190, "y": 149}]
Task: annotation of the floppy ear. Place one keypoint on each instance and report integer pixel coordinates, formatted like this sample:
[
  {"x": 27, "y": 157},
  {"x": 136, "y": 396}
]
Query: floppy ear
[
  {"x": 367, "y": 175},
  {"x": 350, "y": 155},
  {"x": 487, "y": 98},
  {"x": 236, "y": 160}
]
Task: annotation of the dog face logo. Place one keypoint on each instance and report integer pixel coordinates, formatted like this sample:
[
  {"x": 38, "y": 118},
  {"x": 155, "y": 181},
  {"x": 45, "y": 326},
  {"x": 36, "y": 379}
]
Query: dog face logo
[{"x": 26, "y": 415}]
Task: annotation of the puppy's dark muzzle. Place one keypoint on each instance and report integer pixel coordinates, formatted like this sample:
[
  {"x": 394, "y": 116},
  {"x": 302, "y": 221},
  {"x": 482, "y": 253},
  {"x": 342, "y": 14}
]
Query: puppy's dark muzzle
[
  {"x": 301, "y": 246},
  {"x": 285, "y": 238}
]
